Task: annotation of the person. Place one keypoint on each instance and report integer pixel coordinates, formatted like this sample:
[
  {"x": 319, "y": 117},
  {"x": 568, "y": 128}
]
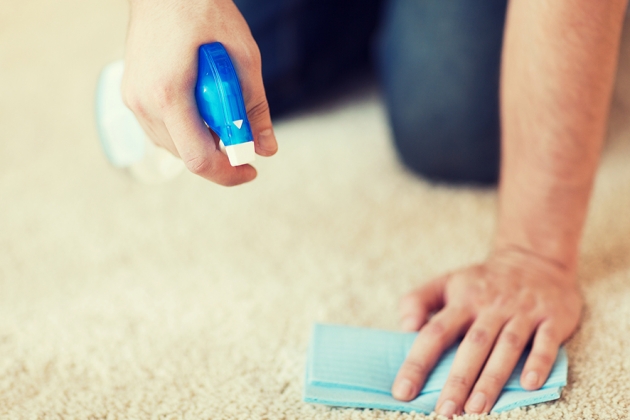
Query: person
[{"x": 475, "y": 90}]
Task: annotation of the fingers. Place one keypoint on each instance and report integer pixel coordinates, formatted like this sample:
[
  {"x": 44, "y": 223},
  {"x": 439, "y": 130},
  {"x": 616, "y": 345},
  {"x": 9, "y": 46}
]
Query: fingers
[
  {"x": 197, "y": 148},
  {"x": 469, "y": 360},
  {"x": 157, "y": 132},
  {"x": 153, "y": 127},
  {"x": 416, "y": 307},
  {"x": 248, "y": 65},
  {"x": 505, "y": 355},
  {"x": 435, "y": 337},
  {"x": 542, "y": 356}
]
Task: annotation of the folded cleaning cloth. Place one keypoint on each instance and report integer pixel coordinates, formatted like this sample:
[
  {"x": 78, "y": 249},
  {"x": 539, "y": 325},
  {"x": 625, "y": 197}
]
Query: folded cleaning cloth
[{"x": 356, "y": 367}]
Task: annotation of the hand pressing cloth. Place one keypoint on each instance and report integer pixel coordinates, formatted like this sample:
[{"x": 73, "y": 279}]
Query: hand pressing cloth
[{"x": 356, "y": 367}]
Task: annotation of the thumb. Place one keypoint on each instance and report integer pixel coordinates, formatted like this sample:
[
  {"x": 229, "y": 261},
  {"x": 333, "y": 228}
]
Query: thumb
[
  {"x": 417, "y": 306},
  {"x": 249, "y": 68}
]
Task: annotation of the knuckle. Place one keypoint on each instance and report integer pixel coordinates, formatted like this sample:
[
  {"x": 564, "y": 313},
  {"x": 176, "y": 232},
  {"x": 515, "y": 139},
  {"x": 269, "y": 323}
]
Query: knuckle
[
  {"x": 436, "y": 329},
  {"x": 493, "y": 380},
  {"x": 204, "y": 166},
  {"x": 259, "y": 109},
  {"x": 547, "y": 334},
  {"x": 502, "y": 301},
  {"x": 199, "y": 165},
  {"x": 458, "y": 381},
  {"x": 417, "y": 368},
  {"x": 164, "y": 96},
  {"x": 527, "y": 304},
  {"x": 478, "y": 336},
  {"x": 134, "y": 103},
  {"x": 543, "y": 358},
  {"x": 512, "y": 339},
  {"x": 546, "y": 338}
]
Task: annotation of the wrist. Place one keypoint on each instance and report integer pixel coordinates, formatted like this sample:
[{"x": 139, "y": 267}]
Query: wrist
[
  {"x": 542, "y": 235},
  {"x": 544, "y": 218},
  {"x": 510, "y": 254}
]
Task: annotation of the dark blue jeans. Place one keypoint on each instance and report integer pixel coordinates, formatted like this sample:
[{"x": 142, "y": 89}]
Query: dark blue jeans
[{"x": 437, "y": 60}]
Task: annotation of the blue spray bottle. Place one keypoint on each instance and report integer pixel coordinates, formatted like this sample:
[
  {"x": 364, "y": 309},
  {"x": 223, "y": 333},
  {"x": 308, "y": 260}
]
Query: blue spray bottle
[{"x": 220, "y": 104}]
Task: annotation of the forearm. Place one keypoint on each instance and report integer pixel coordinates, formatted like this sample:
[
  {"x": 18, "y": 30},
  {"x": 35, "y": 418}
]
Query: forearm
[{"x": 559, "y": 62}]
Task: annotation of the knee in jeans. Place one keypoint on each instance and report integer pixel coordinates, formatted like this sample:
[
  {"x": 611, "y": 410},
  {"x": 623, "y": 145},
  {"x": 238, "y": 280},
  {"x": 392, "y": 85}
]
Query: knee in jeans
[{"x": 447, "y": 156}]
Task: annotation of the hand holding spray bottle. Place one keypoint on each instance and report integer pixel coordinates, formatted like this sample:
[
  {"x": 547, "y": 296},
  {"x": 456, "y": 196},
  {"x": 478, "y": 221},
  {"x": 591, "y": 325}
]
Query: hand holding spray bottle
[{"x": 219, "y": 101}]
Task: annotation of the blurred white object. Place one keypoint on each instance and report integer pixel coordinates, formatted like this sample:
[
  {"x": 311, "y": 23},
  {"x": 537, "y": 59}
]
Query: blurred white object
[{"x": 123, "y": 140}]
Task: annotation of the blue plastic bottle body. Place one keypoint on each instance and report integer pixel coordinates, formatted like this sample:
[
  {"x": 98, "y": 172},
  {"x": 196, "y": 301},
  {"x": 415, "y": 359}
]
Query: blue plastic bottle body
[{"x": 219, "y": 97}]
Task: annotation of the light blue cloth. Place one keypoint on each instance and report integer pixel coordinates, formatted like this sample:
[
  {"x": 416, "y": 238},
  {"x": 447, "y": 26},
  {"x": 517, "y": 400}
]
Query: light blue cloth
[{"x": 356, "y": 367}]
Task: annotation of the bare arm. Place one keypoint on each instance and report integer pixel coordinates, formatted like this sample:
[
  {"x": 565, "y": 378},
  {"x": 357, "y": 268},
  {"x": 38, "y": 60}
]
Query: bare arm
[
  {"x": 559, "y": 60},
  {"x": 558, "y": 70}
]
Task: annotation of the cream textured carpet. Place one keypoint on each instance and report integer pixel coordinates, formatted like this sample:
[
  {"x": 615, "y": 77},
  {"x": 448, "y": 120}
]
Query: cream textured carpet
[{"x": 187, "y": 300}]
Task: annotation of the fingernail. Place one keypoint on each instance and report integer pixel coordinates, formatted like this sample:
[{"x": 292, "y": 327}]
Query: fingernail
[
  {"x": 266, "y": 140},
  {"x": 409, "y": 323},
  {"x": 403, "y": 390},
  {"x": 477, "y": 403},
  {"x": 531, "y": 379},
  {"x": 447, "y": 409}
]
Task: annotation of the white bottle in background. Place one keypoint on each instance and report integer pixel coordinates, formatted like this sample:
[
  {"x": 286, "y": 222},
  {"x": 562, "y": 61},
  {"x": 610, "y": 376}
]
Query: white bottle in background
[{"x": 123, "y": 140}]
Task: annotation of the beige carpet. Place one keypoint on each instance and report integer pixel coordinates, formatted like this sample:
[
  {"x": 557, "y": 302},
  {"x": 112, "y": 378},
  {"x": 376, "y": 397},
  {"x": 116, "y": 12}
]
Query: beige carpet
[{"x": 187, "y": 300}]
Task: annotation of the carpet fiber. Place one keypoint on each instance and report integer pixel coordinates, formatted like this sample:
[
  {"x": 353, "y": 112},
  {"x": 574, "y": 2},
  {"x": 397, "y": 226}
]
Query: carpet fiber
[{"x": 187, "y": 300}]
